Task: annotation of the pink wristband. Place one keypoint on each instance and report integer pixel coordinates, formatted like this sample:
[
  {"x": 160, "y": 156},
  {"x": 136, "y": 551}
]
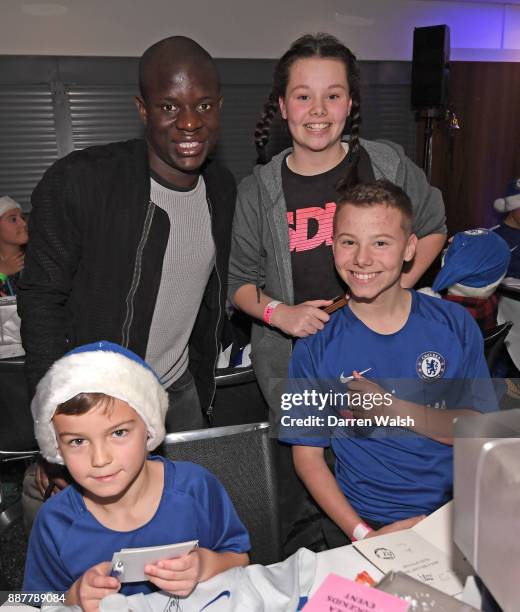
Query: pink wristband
[
  {"x": 361, "y": 530},
  {"x": 268, "y": 311}
]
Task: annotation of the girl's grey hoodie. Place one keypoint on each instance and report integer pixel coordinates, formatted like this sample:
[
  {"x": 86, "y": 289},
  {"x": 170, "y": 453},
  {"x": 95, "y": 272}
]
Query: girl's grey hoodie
[{"x": 260, "y": 252}]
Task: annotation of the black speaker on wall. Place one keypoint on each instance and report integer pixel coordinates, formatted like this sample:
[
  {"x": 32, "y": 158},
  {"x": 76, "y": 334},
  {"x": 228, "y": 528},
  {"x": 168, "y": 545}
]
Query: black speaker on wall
[{"x": 430, "y": 67}]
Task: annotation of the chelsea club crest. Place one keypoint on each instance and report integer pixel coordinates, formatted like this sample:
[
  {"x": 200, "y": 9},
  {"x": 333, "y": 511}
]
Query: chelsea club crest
[{"x": 430, "y": 365}]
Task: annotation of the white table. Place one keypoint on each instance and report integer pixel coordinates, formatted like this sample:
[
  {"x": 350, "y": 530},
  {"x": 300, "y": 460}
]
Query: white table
[{"x": 345, "y": 562}]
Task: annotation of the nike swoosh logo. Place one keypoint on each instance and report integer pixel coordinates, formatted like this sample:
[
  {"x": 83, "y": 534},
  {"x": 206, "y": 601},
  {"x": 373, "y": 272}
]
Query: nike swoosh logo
[
  {"x": 346, "y": 379},
  {"x": 223, "y": 594}
]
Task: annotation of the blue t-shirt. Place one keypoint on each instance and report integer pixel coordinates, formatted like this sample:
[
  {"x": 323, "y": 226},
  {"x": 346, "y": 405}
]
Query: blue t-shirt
[
  {"x": 389, "y": 474},
  {"x": 66, "y": 539}
]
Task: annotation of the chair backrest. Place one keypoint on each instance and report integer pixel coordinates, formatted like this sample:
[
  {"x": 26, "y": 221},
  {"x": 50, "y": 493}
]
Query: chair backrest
[
  {"x": 16, "y": 423},
  {"x": 226, "y": 377},
  {"x": 238, "y": 398},
  {"x": 16, "y": 430},
  {"x": 494, "y": 341},
  {"x": 241, "y": 456}
]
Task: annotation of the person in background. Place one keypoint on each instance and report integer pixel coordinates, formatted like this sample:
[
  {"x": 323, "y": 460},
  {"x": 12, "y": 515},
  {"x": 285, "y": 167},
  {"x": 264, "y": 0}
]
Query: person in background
[
  {"x": 509, "y": 302},
  {"x": 99, "y": 410},
  {"x": 13, "y": 239},
  {"x": 473, "y": 266},
  {"x": 509, "y": 229}
]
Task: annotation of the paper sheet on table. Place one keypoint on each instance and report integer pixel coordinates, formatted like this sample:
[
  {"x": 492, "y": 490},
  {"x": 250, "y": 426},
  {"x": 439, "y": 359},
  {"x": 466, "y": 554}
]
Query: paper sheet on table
[
  {"x": 437, "y": 528},
  {"x": 341, "y": 595},
  {"x": 408, "y": 551}
]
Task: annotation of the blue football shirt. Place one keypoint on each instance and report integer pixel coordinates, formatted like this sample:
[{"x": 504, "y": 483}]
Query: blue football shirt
[
  {"x": 436, "y": 359},
  {"x": 67, "y": 540}
]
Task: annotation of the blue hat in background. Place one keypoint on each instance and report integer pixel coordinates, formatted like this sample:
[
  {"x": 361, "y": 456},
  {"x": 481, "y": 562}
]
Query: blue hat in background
[
  {"x": 511, "y": 200},
  {"x": 475, "y": 258}
]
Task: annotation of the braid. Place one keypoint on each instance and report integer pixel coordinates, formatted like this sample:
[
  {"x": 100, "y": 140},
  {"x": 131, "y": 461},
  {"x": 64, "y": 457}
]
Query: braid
[
  {"x": 355, "y": 117},
  {"x": 263, "y": 127},
  {"x": 351, "y": 177}
]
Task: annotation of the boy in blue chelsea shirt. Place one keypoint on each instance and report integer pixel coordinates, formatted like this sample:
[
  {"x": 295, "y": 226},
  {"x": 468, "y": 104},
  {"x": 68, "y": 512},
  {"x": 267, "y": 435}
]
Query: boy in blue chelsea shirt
[
  {"x": 98, "y": 410},
  {"x": 386, "y": 478}
]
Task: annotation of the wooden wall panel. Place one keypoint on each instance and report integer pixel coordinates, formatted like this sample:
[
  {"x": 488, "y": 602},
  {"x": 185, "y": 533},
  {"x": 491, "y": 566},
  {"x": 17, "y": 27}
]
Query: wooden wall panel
[{"x": 473, "y": 165}]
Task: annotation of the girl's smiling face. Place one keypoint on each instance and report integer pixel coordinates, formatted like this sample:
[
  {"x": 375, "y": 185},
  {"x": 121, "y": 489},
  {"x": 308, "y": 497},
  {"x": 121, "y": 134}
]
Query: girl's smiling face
[{"x": 316, "y": 104}]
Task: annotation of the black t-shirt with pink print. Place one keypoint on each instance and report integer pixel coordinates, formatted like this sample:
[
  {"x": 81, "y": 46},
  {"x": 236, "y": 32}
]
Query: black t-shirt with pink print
[{"x": 310, "y": 202}]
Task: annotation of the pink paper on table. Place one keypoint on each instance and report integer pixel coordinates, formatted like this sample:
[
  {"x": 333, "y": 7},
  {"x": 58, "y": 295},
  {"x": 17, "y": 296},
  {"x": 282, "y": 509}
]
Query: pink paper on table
[{"x": 337, "y": 594}]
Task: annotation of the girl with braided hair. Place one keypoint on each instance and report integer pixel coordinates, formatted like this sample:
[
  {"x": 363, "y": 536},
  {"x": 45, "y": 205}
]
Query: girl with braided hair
[{"x": 281, "y": 266}]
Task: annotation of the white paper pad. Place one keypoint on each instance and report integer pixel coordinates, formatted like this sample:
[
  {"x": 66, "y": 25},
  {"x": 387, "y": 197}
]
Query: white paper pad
[
  {"x": 407, "y": 551},
  {"x": 128, "y": 564}
]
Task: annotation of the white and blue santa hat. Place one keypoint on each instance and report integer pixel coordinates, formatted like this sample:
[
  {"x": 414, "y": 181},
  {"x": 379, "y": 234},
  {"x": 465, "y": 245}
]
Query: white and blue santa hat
[
  {"x": 511, "y": 200},
  {"x": 100, "y": 367},
  {"x": 7, "y": 203},
  {"x": 475, "y": 258}
]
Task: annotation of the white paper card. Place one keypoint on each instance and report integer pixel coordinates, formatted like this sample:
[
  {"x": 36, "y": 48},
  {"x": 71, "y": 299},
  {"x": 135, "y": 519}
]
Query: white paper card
[
  {"x": 407, "y": 551},
  {"x": 128, "y": 564}
]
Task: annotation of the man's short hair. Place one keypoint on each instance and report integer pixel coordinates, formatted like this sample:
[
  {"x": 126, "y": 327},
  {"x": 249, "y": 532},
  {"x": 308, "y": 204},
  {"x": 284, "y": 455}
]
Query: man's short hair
[
  {"x": 382, "y": 191},
  {"x": 174, "y": 48}
]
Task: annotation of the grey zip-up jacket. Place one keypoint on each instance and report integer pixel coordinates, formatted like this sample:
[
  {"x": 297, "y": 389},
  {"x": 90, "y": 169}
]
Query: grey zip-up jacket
[{"x": 260, "y": 252}]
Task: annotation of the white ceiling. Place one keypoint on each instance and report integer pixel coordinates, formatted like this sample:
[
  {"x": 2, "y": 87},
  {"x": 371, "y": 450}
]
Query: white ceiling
[{"x": 505, "y": 2}]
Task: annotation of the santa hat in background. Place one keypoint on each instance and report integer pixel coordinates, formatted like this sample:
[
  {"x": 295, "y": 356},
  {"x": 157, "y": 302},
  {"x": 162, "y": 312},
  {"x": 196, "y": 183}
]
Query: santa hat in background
[
  {"x": 511, "y": 201},
  {"x": 7, "y": 203},
  {"x": 474, "y": 263}
]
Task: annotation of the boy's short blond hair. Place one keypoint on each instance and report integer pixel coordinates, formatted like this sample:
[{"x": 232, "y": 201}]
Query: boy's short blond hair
[{"x": 382, "y": 191}]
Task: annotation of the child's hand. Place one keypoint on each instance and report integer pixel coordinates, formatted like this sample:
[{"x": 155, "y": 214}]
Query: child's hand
[
  {"x": 177, "y": 576},
  {"x": 90, "y": 589},
  {"x": 12, "y": 264},
  {"x": 375, "y": 401},
  {"x": 397, "y": 526},
  {"x": 302, "y": 320}
]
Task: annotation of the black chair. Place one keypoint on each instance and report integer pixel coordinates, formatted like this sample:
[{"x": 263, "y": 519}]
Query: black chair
[
  {"x": 17, "y": 444},
  {"x": 494, "y": 342},
  {"x": 238, "y": 398},
  {"x": 17, "y": 440},
  {"x": 242, "y": 458}
]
